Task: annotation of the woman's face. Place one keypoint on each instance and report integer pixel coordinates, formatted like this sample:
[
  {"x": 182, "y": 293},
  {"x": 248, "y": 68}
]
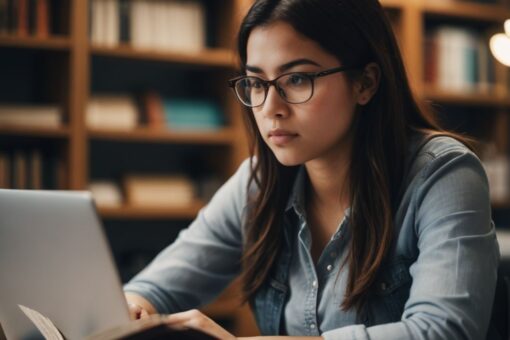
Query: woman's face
[{"x": 316, "y": 129}]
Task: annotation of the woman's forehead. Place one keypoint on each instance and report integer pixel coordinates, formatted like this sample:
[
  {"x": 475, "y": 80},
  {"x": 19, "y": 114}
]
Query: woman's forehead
[{"x": 271, "y": 46}]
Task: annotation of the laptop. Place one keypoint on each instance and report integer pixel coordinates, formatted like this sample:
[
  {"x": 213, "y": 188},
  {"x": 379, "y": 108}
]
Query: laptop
[{"x": 55, "y": 259}]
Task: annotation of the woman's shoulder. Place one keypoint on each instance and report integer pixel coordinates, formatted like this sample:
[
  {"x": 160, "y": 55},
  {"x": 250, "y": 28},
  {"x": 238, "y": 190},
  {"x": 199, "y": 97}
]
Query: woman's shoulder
[{"x": 435, "y": 152}]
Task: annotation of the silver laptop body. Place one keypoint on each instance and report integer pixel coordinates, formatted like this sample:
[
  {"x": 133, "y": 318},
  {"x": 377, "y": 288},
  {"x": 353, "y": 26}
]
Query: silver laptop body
[{"x": 55, "y": 259}]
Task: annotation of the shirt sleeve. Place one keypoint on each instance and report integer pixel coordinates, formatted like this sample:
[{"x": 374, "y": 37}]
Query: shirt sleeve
[
  {"x": 454, "y": 276},
  {"x": 204, "y": 258}
]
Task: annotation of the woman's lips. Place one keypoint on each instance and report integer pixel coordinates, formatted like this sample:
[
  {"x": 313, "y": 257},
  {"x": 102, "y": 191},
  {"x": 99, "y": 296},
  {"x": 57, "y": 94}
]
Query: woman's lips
[{"x": 281, "y": 137}]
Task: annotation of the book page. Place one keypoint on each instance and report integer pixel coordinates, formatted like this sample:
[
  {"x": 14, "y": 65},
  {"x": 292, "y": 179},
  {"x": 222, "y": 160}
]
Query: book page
[{"x": 43, "y": 324}]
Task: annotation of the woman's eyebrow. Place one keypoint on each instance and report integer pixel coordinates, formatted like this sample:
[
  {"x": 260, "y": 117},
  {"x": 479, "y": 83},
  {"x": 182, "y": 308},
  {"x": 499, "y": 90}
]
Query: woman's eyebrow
[{"x": 284, "y": 67}]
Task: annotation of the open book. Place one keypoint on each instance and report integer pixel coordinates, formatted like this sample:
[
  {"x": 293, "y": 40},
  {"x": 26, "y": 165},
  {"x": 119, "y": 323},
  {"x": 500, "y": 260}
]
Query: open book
[{"x": 151, "y": 328}]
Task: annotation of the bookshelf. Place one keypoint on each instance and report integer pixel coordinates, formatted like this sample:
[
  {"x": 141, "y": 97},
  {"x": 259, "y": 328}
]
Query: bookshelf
[{"x": 66, "y": 69}]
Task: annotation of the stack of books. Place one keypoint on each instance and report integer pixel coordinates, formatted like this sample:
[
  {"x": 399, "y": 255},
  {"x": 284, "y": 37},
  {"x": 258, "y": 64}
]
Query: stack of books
[
  {"x": 45, "y": 116},
  {"x": 159, "y": 191},
  {"x": 149, "y": 24},
  {"x": 106, "y": 193},
  {"x": 112, "y": 112}
]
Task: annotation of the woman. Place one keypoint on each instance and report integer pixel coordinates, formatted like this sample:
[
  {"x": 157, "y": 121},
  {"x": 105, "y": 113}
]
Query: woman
[{"x": 356, "y": 217}]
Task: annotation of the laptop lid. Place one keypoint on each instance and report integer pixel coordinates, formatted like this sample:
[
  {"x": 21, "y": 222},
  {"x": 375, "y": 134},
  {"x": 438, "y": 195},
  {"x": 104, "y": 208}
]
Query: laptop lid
[{"x": 55, "y": 259}]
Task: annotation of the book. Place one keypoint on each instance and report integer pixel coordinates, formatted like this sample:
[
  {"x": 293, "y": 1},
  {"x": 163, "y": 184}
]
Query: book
[
  {"x": 47, "y": 116},
  {"x": 35, "y": 169},
  {"x": 159, "y": 191},
  {"x": 153, "y": 109},
  {"x": 42, "y": 18},
  {"x": 118, "y": 112},
  {"x": 20, "y": 170},
  {"x": 192, "y": 114},
  {"x": 151, "y": 328},
  {"x": 106, "y": 193},
  {"x": 5, "y": 176}
]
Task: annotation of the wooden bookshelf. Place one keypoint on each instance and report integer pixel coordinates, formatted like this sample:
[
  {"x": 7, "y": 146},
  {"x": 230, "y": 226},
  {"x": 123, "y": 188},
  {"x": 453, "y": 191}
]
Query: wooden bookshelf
[
  {"x": 225, "y": 136},
  {"x": 209, "y": 57},
  {"x": 76, "y": 86}
]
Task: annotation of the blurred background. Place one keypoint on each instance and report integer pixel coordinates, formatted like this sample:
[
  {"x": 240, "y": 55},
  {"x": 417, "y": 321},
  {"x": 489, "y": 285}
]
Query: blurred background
[{"x": 128, "y": 99}]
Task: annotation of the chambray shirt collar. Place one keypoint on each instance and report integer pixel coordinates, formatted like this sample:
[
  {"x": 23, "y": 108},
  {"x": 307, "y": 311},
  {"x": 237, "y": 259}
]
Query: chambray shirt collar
[
  {"x": 296, "y": 199},
  {"x": 297, "y": 195}
]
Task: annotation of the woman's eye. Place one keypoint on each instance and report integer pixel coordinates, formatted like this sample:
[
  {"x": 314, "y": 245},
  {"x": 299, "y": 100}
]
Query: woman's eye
[
  {"x": 255, "y": 83},
  {"x": 296, "y": 80}
]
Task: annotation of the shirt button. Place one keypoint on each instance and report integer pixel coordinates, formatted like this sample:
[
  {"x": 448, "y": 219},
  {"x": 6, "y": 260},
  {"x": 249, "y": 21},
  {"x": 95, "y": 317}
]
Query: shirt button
[
  {"x": 383, "y": 286},
  {"x": 312, "y": 326},
  {"x": 329, "y": 267},
  {"x": 314, "y": 283}
]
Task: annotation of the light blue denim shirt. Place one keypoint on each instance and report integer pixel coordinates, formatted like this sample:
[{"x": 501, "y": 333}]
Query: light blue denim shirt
[{"x": 438, "y": 284}]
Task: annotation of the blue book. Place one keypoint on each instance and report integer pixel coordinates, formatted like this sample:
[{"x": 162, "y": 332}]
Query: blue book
[{"x": 192, "y": 114}]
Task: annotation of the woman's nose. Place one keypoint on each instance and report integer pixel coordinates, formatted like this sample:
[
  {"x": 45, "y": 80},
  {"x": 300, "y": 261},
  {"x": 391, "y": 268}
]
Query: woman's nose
[{"x": 275, "y": 106}]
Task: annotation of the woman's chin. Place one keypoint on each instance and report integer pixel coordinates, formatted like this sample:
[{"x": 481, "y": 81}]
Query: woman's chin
[{"x": 287, "y": 160}]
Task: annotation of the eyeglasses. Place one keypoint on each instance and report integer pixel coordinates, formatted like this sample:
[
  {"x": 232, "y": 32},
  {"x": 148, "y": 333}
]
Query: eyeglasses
[{"x": 294, "y": 87}]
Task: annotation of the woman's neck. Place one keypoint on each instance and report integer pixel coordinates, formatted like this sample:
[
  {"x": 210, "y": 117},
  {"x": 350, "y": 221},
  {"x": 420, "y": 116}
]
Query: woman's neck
[{"x": 328, "y": 181}]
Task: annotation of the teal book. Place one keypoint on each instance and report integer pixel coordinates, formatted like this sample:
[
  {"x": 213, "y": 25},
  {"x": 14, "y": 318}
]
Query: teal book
[{"x": 192, "y": 114}]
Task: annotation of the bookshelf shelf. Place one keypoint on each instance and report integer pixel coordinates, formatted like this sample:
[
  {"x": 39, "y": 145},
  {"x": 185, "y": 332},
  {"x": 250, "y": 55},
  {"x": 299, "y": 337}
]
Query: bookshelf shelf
[
  {"x": 221, "y": 137},
  {"x": 467, "y": 10},
  {"x": 144, "y": 213},
  {"x": 392, "y": 4},
  {"x": 467, "y": 99},
  {"x": 15, "y": 130},
  {"x": 209, "y": 57},
  {"x": 50, "y": 43}
]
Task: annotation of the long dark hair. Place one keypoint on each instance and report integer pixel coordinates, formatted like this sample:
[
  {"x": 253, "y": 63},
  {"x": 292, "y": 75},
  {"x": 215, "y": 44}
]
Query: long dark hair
[{"x": 356, "y": 32}]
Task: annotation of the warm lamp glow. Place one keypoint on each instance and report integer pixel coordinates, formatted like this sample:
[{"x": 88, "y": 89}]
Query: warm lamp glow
[
  {"x": 500, "y": 46},
  {"x": 507, "y": 27}
]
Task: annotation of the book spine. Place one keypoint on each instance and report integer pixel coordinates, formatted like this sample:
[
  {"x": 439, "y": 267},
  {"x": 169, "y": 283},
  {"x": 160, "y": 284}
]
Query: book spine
[
  {"x": 42, "y": 18},
  {"x": 124, "y": 21},
  {"x": 22, "y": 18},
  {"x": 3, "y": 17}
]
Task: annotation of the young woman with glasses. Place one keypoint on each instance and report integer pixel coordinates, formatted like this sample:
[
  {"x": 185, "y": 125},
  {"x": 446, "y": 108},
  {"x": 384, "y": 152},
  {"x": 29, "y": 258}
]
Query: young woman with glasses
[{"x": 356, "y": 216}]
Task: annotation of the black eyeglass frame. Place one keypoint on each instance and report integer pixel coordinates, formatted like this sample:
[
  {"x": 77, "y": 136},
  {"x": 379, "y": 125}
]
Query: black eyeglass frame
[{"x": 267, "y": 83}]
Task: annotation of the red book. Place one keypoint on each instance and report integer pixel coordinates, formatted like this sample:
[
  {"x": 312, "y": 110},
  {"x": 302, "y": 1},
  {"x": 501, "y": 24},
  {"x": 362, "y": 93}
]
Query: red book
[
  {"x": 154, "y": 110},
  {"x": 42, "y": 18},
  {"x": 23, "y": 17}
]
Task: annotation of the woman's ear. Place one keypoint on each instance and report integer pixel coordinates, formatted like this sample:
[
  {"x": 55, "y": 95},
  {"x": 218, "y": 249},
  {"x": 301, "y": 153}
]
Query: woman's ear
[{"x": 368, "y": 83}]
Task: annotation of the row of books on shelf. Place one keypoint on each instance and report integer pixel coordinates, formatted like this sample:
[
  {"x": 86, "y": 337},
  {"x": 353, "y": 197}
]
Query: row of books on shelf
[
  {"x": 153, "y": 111},
  {"x": 153, "y": 191},
  {"x": 123, "y": 112},
  {"x": 25, "y": 17},
  {"x": 148, "y": 24},
  {"x": 30, "y": 169},
  {"x": 458, "y": 59}
]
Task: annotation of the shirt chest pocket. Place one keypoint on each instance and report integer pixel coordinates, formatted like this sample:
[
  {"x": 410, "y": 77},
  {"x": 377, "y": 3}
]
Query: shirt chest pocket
[
  {"x": 268, "y": 306},
  {"x": 392, "y": 292}
]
